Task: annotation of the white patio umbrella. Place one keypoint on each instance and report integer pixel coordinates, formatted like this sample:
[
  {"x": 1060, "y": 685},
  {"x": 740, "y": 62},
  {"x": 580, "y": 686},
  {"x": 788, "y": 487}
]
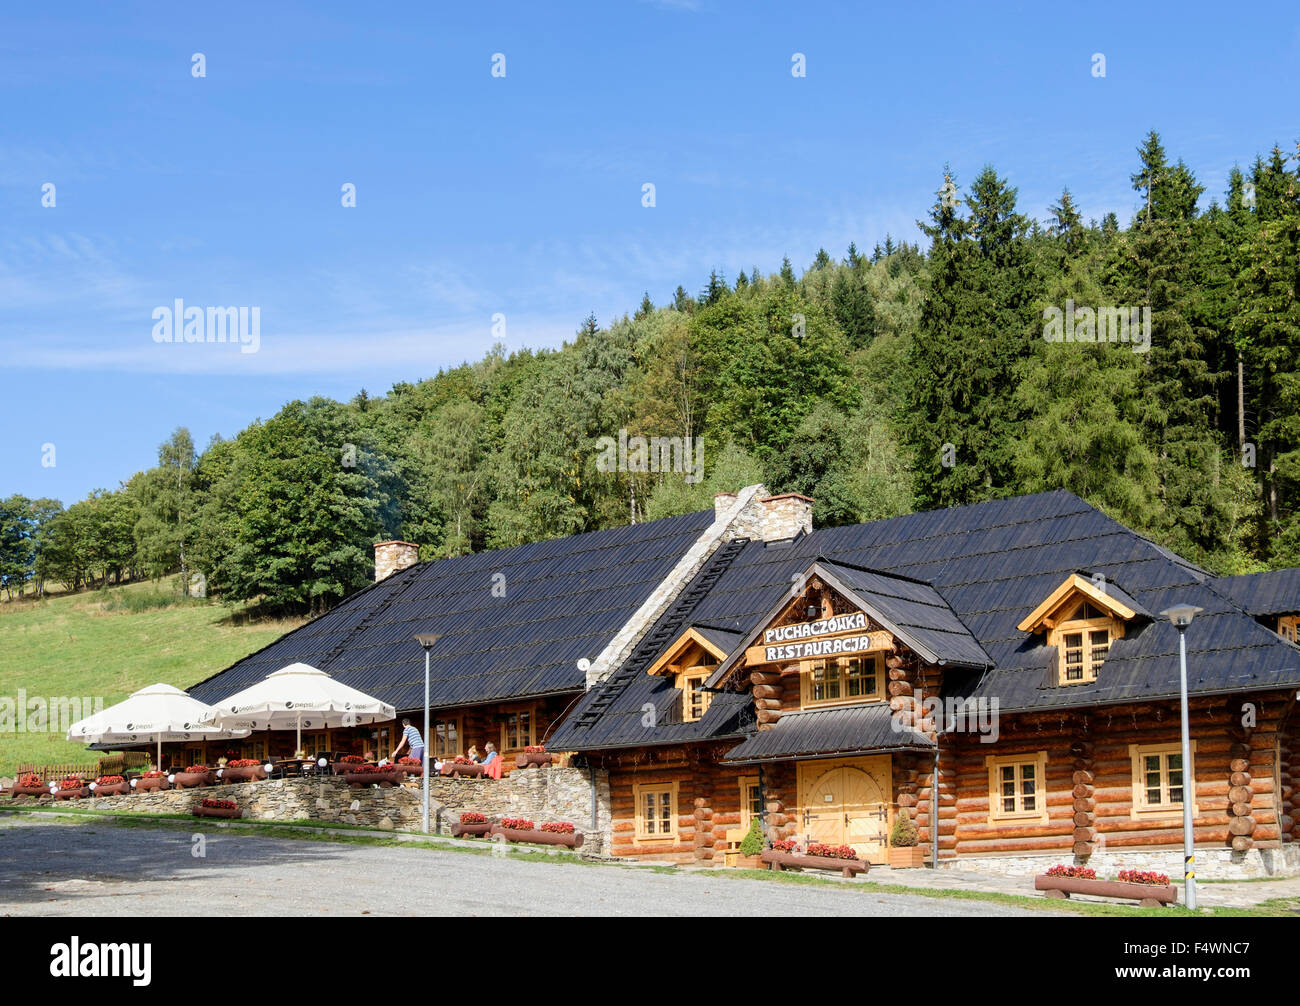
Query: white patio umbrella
[
  {"x": 296, "y": 696},
  {"x": 158, "y": 713}
]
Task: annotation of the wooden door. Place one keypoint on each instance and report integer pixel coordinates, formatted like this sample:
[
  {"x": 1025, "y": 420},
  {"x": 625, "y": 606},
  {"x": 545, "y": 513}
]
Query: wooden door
[{"x": 847, "y": 803}]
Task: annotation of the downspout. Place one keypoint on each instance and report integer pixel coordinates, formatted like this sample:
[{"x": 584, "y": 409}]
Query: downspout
[
  {"x": 934, "y": 802},
  {"x": 594, "y": 806}
]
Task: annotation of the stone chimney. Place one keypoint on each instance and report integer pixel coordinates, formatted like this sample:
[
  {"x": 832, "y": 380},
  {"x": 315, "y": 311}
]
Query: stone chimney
[
  {"x": 784, "y": 516},
  {"x": 394, "y": 556}
]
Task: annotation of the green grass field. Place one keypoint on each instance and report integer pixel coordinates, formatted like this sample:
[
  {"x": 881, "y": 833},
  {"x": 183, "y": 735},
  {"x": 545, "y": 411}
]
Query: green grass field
[{"x": 106, "y": 644}]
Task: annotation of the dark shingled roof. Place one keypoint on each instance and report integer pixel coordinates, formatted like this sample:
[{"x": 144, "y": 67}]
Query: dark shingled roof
[
  {"x": 993, "y": 564},
  {"x": 1275, "y": 592},
  {"x": 564, "y": 599},
  {"x": 838, "y": 730}
]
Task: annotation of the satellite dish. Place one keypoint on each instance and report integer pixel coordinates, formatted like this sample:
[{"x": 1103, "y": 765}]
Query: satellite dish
[{"x": 584, "y": 664}]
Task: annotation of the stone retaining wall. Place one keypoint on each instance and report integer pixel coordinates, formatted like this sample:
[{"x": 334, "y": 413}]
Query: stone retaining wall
[
  {"x": 542, "y": 794},
  {"x": 1211, "y": 864}
]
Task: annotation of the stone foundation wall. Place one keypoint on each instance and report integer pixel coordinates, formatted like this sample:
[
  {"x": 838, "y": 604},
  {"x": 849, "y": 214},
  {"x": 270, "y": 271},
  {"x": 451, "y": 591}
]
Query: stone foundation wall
[
  {"x": 542, "y": 794},
  {"x": 1211, "y": 864}
]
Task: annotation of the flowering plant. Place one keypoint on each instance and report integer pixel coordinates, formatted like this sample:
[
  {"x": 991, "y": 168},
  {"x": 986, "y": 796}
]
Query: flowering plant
[
  {"x": 362, "y": 768},
  {"x": 535, "y": 748},
  {"x": 31, "y": 780},
  {"x": 109, "y": 780},
  {"x": 1078, "y": 872},
  {"x": 72, "y": 782},
  {"x": 154, "y": 774},
  {"x": 558, "y": 827},
  {"x": 352, "y": 759},
  {"x": 408, "y": 761},
  {"x": 1144, "y": 877},
  {"x": 517, "y": 824},
  {"x": 460, "y": 760},
  {"x": 831, "y": 851},
  {"x": 472, "y": 817},
  {"x": 786, "y": 845},
  {"x": 244, "y": 763},
  {"x": 197, "y": 769},
  {"x": 219, "y": 804}
]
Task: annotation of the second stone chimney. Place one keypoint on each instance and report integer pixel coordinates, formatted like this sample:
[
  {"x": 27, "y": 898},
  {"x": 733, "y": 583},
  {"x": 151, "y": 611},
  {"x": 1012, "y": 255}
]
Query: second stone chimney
[
  {"x": 393, "y": 556},
  {"x": 785, "y": 516}
]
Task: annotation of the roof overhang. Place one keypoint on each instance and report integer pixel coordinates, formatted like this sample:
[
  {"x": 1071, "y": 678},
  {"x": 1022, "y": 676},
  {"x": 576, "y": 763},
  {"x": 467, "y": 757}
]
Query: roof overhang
[{"x": 1075, "y": 585}]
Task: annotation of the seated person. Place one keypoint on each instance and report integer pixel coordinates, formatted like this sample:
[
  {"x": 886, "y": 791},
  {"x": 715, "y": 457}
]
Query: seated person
[
  {"x": 473, "y": 754},
  {"x": 491, "y": 755}
]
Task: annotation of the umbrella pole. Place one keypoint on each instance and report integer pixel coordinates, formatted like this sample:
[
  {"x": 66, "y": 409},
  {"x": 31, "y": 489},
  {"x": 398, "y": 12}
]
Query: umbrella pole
[
  {"x": 159, "y": 765},
  {"x": 298, "y": 746}
]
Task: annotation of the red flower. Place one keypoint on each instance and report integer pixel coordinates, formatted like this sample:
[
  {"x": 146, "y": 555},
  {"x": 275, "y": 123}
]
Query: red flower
[
  {"x": 219, "y": 804},
  {"x": 558, "y": 827},
  {"x": 72, "y": 782},
  {"x": 31, "y": 781},
  {"x": 244, "y": 763},
  {"x": 197, "y": 769},
  {"x": 786, "y": 845},
  {"x": 472, "y": 817},
  {"x": 535, "y": 749},
  {"x": 517, "y": 824},
  {"x": 1077, "y": 872},
  {"x": 352, "y": 760},
  {"x": 831, "y": 851},
  {"x": 461, "y": 760},
  {"x": 409, "y": 761},
  {"x": 362, "y": 769},
  {"x": 109, "y": 780},
  {"x": 155, "y": 774},
  {"x": 1144, "y": 877}
]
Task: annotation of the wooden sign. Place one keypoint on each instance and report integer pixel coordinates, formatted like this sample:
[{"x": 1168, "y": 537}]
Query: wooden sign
[{"x": 824, "y": 646}]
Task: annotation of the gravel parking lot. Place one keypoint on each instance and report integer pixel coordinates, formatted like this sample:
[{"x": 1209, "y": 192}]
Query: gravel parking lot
[{"x": 56, "y": 868}]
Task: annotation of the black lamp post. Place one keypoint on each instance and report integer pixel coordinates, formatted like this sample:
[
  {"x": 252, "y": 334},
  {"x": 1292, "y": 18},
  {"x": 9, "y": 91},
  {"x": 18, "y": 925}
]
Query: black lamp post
[{"x": 426, "y": 640}]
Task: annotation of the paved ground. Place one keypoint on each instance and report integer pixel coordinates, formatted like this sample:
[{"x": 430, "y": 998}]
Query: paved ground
[{"x": 50, "y": 867}]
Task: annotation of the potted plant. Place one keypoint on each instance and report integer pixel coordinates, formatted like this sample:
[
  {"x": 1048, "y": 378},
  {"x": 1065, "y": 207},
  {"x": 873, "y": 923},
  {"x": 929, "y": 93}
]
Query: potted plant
[
  {"x": 1151, "y": 890},
  {"x": 72, "y": 787},
  {"x": 152, "y": 780},
  {"x": 243, "y": 770},
  {"x": 840, "y": 858},
  {"x": 208, "y": 807},
  {"x": 521, "y": 829},
  {"x": 346, "y": 763},
  {"x": 409, "y": 766},
  {"x": 460, "y": 765},
  {"x": 748, "y": 855},
  {"x": 111, "y": 785},
  {"x": 472, "y": 824},
  {"x": 534, "y": 755},
  {"x": 30, "y": 784},
  {"x": 373, "y": 775},
  {"x": 194, "y": 775},
  {"x": 904, "y": 850}
]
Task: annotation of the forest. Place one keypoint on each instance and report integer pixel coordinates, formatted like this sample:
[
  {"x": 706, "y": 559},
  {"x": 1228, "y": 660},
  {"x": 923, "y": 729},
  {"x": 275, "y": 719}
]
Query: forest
[{"x": 907, "y": 377}]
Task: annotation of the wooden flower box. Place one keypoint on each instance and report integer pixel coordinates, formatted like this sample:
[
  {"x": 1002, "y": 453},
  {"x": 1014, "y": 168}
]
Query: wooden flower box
[
  {"x": 79, "y": 793},
  {"x": 741, "y": 862},
  {"x": 474, "y": 769},
  {"x": 245, "y": 773},
  {"x": 408, "y": 769},
  {"x": 29, "y": 791},
  {"x": 459, "y": 830},
  {"x": 122, "y": 788},
  {"x": 906, "y": 857},
  {"x": 341, "y": 767},
  {"x": 529, "y": 759},
  {"x": 191, "y": 780},
  {"x": 538, "y": 837},
  {"x": 198, "y": 810},
  {"x": 1147, "y": 895},
  {"x": 158, "y": 783},
  {"x": 787, "y": 860},
  {"x": 389, "y": 778}
]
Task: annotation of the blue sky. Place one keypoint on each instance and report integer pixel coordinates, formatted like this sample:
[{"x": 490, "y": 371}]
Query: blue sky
[{"x": 521, "y": 195}]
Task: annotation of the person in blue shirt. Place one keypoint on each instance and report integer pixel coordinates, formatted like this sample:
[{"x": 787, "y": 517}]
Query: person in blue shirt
[
  {"x": 491, "y": 755},
  {"x": 410, "y": 739}
]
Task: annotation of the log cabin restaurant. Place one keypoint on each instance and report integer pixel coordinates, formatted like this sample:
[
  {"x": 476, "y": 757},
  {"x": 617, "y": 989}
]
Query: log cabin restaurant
[{"x": 717, "y": 667}]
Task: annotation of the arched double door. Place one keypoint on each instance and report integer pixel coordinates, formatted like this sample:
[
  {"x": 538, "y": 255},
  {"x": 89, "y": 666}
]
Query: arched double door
[{"x": 848, "y": 802}]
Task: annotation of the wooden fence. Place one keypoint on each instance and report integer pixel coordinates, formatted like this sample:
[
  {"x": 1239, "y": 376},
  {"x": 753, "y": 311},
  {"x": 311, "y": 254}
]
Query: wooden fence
[{"x": 114, "y": 764}]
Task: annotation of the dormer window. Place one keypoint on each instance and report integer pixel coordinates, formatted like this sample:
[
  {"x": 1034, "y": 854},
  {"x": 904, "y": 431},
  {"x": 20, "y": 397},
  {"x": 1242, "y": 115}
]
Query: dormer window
[
  {"x": 1288, "y": 627},
  {"x": 1083, "y": 642},
  {"x": 689, "y": 661},
  {"x": 1081, "y": 619}
]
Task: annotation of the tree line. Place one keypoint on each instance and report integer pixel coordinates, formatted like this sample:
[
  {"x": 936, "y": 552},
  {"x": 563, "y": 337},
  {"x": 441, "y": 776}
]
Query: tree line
[{"x": 877, "y": 383}]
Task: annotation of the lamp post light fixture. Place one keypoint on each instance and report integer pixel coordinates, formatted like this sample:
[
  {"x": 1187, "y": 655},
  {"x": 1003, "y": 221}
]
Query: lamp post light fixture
[
  {"x": 1180, "y": 616},
  {"x": 426, "y": 640}
]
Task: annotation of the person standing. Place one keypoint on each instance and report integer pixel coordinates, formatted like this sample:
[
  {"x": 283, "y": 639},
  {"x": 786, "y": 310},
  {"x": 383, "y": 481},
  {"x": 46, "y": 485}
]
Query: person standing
[{"x": 411, "y": 740}]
